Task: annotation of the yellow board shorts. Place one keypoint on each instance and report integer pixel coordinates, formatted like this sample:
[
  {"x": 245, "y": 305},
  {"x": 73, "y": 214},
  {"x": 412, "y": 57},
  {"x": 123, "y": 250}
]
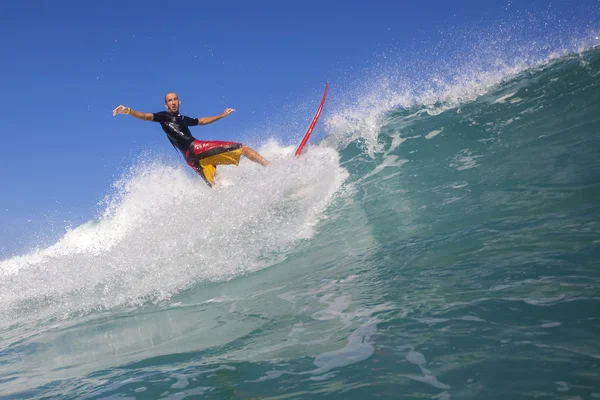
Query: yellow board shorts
[{"x": 204, "y": 156}]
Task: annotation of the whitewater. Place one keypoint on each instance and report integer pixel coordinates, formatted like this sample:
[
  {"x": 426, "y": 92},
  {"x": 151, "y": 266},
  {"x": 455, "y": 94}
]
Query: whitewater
[{"x": 441, "y": 240}]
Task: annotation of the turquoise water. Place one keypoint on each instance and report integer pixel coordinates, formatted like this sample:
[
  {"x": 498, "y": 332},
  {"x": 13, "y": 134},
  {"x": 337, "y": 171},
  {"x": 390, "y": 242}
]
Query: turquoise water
[{"x": 443, "y": 247}]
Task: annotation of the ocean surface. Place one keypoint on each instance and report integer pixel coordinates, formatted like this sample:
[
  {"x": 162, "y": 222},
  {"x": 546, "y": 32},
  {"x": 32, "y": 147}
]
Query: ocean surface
[{"x": 437, "y": 242}]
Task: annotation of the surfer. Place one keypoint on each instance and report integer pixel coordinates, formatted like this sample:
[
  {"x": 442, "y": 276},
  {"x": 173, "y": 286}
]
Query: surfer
[{"x": 202, "y": 156}]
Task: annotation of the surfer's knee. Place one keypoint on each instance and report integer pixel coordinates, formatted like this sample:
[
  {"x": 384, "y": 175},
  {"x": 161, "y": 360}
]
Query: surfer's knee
[
  {"x": 253, "y": 155},
  {"x": 248, "y": 150}
]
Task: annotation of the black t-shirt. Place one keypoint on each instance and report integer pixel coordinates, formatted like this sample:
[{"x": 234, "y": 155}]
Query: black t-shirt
[{"x": 176, "y": 128}]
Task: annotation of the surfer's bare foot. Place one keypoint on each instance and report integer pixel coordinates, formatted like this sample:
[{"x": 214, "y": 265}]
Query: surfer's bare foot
[{"x": 254, "y": 156}]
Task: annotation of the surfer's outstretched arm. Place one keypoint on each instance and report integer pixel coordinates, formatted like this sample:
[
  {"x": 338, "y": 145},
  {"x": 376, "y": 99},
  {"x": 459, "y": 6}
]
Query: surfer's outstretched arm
[
  {"x": 137, "y": 114},
  {"x": 210, "y": 120}
]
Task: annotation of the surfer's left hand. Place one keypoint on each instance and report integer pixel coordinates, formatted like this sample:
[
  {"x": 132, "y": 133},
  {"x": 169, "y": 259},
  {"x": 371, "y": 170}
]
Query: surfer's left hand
[
  {"x": 121, "y": 110},
  {"x": 228, "y": 111}
]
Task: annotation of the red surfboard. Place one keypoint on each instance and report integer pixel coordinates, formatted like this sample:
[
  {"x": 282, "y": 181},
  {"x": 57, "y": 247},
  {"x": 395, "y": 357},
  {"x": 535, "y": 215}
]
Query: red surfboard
[{"x": 313, "y": 123}]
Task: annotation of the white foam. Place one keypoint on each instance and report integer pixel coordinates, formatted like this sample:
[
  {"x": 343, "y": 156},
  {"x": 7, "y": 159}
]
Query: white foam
[
  {"x": 396, "y": 141},
  {"x": 471, "y": 318},
  {"x": 164, "y": 230},
  {"x": 358, "y": 348},
  {"x": 459, "y": 185},
  {"x": 388, "y": 161},
  {"x": 433, "y": 134},
  {"x": 562, "y": 386},
  {"x": 543, "y": 301},
  {"x": 418, "y": 359},
  {"x": 362, "y": 117},
  {"x": 502, "y": 99},
  {"x": 464, "y": 160},
  {"x": 551, "y": 325}
]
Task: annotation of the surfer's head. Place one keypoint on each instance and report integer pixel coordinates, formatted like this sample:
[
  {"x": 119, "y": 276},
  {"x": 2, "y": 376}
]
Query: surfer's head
[{"x": 172, "y": 102}]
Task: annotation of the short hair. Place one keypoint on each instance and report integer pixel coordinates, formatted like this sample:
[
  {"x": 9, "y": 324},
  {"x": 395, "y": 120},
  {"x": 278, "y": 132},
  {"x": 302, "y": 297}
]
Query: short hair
[{"x": 168, "y": 93}]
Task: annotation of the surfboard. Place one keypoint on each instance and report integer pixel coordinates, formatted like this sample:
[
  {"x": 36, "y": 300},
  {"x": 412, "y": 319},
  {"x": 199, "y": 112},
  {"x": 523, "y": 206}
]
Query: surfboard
[{"x": 313, "y": 123}]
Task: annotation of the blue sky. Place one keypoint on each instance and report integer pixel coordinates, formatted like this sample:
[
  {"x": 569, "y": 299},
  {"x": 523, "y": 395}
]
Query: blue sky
[{"x": 67, "y": 64}]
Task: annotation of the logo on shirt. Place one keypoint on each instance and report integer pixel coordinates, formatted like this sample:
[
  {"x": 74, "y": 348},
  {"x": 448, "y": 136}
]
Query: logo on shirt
[{"x": 175, "y": 128}]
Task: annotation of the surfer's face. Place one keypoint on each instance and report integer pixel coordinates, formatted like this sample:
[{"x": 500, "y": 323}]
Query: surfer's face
[{"x": 172, "y": 102}]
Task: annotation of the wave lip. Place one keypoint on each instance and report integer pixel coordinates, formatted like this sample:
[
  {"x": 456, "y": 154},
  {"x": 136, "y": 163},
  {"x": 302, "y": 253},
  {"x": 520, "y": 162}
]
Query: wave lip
[{"x": 424, "y": 84}]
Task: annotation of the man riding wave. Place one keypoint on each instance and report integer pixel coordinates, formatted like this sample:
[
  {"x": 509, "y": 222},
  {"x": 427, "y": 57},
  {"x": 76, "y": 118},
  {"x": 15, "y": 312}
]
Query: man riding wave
[{"x": 202, "y": 156}]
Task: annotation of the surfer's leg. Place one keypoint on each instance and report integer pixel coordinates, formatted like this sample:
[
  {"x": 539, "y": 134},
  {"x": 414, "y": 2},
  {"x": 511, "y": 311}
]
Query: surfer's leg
[
  {"x": 254, "y": 156},
  {"x": 207, "y": 173}
]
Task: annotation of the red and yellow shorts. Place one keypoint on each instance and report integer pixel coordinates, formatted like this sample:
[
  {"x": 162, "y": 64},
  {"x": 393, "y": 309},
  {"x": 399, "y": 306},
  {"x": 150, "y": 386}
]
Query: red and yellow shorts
[{"x": 204, "y": 156}]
